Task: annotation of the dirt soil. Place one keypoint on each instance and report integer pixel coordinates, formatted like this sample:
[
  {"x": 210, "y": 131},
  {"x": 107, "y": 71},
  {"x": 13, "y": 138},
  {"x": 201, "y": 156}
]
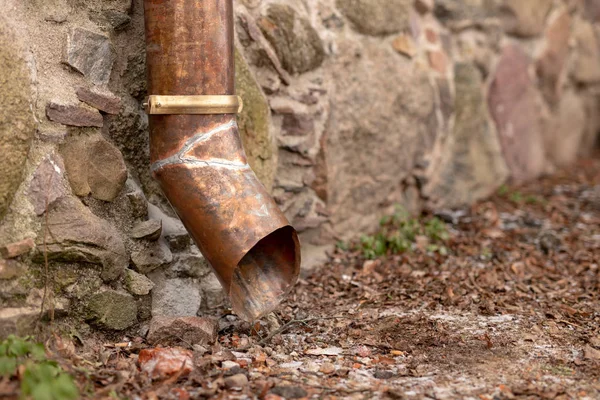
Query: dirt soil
[{"x": 512, "y": 310}]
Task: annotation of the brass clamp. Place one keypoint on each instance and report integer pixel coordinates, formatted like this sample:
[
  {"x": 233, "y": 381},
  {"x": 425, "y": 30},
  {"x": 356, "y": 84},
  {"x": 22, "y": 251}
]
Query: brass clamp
[{"x": 204, "y": 104}]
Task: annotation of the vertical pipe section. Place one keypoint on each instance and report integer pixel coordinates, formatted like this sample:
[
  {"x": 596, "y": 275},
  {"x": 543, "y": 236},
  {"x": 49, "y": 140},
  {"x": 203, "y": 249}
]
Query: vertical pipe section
[{"x": 201, "y": 165}]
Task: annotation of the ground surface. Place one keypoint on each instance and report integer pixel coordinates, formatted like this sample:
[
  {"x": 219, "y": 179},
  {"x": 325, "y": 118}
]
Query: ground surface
[{"x": 509, "y": 308}]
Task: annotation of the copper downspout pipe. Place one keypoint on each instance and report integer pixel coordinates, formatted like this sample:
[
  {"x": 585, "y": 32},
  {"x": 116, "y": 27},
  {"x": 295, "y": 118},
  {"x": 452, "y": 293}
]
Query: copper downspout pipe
[{"x": 201, "y": 165}]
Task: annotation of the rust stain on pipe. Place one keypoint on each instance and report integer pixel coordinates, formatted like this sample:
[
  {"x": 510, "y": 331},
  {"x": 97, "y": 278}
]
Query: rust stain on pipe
[{"x": 201, "y": 165}]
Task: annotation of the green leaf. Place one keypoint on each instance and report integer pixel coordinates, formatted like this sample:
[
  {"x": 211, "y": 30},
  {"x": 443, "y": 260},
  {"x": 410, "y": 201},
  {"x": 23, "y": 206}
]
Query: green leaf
[{"x": 8, "y": 366}]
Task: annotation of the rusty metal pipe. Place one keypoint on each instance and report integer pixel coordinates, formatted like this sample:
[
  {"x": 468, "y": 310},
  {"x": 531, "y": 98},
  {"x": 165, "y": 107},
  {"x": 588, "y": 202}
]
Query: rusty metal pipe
[{"x": 201, "y": 165}]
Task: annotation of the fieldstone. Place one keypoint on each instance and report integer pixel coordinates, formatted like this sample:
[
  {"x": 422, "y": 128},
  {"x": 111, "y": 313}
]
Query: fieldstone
[
  {"x": 10, "y": 269},
  {"x": 137, "y": 200},
  {"x": 77, "y": 235},
  {"x": 19, "y": 321},
  {"x": 191, "y": 264},
  {"x": 514, "y": 106},
  {"x": 525, "y": 18},
  {"x": 112, "y": 310},
  {"x": 175, "y": 297},
  {"x": 47, "y": 185},
  {"x": 565, "y": 130},
  {"x": 91, "y": 54},
  {"x": 586, "y": 66},
  {"x": 125, "y": 6},
  {"x": 376, "y": 135},
  {"x": 72, "y": 115},
  {"x": 213, "y": 295},
  {"x": 295, "y": 41},
  {"x": 377, "y": 17},
  {"x": 550, "y": 65},
  {"x": 405, "y": 45},
  {"x": 470, "y": 165},
  {"x": 107, "y": 172},
  {"x": 17, "y": 249},
  {"x": 151, "y": 256},
  {"x": 16, "y": 119},
  {"x": 149, "y": 230},
  {"x": 103, "y": 100},
  {"x": 137, "y": 284},
  {"x": 94, "y": 166},
  {"x": 177, "y": 331},
  {"x": 254, "y": 123}
]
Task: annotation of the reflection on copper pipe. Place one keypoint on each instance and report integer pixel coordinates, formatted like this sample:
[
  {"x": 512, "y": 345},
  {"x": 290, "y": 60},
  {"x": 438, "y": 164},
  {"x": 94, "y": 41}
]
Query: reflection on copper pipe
[{"x": 201, "y": 165}]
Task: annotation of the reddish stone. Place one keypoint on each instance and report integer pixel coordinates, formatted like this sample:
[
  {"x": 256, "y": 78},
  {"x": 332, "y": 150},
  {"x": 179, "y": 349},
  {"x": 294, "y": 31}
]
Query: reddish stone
[
  {"x": 16, "y": 249},
  {"x": 438, "y": 61},
  {"x": 73, "y": 115},
  {"x": 102, "y": 100},
  {"x": 514, "y": 107},
  {"x": 431, "y": 35},
  {"x": 182, "y": 330},
  {"x": 46, "y": 187},
  {"x": 160, "y": 362}
]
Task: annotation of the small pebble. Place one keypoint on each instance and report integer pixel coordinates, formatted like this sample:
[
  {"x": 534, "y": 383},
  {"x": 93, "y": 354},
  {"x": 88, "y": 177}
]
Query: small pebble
[{"x": 238, "y": 381}]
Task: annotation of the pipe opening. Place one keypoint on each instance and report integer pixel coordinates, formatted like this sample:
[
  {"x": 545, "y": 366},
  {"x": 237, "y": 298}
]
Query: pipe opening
[{"x": 265, "y": 275}]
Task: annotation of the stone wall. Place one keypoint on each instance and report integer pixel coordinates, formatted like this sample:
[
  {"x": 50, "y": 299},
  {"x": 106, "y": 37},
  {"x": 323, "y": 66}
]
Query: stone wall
[{"x": 352, "y": 107}]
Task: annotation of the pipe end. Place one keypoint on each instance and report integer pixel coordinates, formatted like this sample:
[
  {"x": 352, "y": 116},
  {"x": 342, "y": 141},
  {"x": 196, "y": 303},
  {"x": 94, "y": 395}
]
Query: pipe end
[{"x": 266, "y": 274}]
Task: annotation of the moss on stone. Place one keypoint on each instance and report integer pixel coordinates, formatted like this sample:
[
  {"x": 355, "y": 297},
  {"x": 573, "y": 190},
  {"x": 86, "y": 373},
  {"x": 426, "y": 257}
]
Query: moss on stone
[
  {"x": 112, "y": 310},
  {"x": 254, "y": 123}
]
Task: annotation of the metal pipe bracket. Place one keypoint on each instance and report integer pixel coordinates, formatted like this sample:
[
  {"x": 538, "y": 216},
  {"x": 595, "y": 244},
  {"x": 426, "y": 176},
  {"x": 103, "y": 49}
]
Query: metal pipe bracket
[{"x": 203, "y": 105}]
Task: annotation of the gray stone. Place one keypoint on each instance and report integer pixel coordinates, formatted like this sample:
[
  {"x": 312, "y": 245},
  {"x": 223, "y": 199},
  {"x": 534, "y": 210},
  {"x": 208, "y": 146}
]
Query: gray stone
[
  {"x": 91, "y": 54},
  {"x": 111, "y": 19},
  {"x": 103, "y": 100},
  {"x": 137, "y": 199},
  {"x": 377, "y": 17},
  {"x": 77, "y": 235},
  {"x": 112, "y": 310},
  {"x": 16, "y": 119},
  {"x": 470, "y": 165},
  {"x": 73, "y": 115},
  {"x": 175, "y": 297},
  {"x": 565, "y": 129},
  {"x": 149, "y": 230},
  {"x": 238, "y": 381},
  {"x": 47, "y": 184},
  {"x": 18, "y": 321},
  {"x": 151, "y": 256},
  {"x": 137, "y": 284},
  {"x": 296, "y": 42},
  {"x": 182, "y": 331},
  {"x": 190, "y": 264},
  {"x": 376, "y": 134},
  {"x": 513, "y": 103}
]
